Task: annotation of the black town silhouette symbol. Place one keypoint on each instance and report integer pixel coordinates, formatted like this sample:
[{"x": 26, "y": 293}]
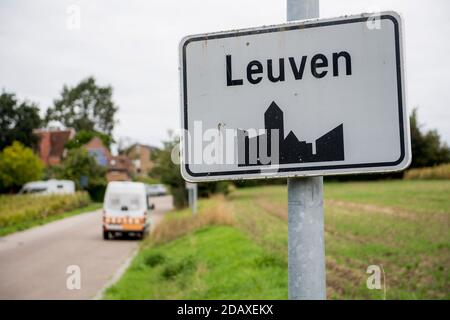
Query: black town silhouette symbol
[{"x": 253, "y": 152}]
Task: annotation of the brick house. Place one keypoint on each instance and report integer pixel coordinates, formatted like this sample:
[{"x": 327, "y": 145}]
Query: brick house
[
  {"x": 51, "y": 144},
  {"x": 51, "y": 150},
  {"x": 119, "y": 168},
  {"x": 99, "y": 151},
  {"x": 140, "y": 156}
]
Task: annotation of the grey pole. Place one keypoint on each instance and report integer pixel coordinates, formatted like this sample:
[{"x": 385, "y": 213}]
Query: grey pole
[
  {"x": 190, "y": 197},
  {"x": 195, "y": 198},
  {"x": 306, "y": 245}
]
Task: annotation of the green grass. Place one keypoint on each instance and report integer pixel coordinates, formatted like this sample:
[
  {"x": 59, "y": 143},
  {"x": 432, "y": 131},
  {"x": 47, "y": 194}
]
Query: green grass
[
  {"x": 416, "y": 195},
  {"x": 20, "y": 212},
  {"x": 216, "y": 262},
  {"x": 402, "y": 226}
]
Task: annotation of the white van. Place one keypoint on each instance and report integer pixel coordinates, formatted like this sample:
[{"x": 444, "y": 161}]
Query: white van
[
  {"x": 51, "y": 186},
  {"x": 126, "y": 209}
]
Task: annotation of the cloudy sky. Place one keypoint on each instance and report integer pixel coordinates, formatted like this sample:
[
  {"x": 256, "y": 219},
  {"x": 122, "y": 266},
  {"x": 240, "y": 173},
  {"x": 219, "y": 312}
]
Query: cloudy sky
[{"x": 133, "y": 46}]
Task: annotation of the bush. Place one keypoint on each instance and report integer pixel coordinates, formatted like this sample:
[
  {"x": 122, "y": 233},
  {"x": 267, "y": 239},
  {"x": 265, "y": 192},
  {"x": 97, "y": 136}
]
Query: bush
[
  {"x": 18, "y": 165},
  {"x": 97, "y": 192},
  {"x": 427, "y": 147},
  {"x": 16, "y": 209},
  {"x": 437, "y": 172}
]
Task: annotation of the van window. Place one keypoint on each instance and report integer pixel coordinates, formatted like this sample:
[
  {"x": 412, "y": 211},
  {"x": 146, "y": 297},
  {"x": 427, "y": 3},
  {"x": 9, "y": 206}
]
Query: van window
[
  {"x": 116, "y": 201},
  {"x": 35, "y": 190}
]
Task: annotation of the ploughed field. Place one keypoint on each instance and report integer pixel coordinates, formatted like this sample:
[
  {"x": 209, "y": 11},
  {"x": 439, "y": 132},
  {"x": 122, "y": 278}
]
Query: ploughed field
[{"x": 236, "y": 246}]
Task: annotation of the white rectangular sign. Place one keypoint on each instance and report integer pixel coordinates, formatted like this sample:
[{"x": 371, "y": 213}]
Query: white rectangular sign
[{"x": 306, "y": 98}]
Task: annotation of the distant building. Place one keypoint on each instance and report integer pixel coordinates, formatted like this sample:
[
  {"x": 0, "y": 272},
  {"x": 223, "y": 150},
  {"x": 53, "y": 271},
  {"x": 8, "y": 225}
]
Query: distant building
[
  {"x": 140, "y": 156},
  {"x": 51, "y": 144},
  {"x": 99, "y": 151},
  {"x": 120, "y": 168}
]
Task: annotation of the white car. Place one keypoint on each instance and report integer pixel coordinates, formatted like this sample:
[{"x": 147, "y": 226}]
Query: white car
[
  {"x": 126, "y": 209},
  {"x": 51, "y": 186},
  {"x": 156, "y": 189}
]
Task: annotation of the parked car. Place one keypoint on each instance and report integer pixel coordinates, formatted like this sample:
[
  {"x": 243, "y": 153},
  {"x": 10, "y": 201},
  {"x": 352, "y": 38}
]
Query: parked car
[
  {"x": 156, "y": 189},
  {"x": 51, "y": 186},
  {"x": 126, "y": 209}
]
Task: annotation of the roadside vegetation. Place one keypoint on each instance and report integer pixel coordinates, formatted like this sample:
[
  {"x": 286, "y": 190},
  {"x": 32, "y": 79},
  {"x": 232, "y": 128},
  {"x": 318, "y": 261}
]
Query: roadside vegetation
[
  {"x": 18, "y": 165},
  {"x": 437, "y": 172},
  {"x": 213, "y": 212},
  {"x": 201, "y": 257},
  {"x": 19, "y": 212},
  {"x": 242, "y": 252},
  {"x": 86, "y": 107}
]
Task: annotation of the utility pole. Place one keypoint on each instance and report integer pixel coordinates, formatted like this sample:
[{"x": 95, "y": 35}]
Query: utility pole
[{"x": 306, "y": 243}]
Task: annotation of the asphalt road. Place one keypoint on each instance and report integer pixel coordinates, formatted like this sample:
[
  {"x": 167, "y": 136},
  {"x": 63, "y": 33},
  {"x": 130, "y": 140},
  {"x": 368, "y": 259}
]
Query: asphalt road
[{"x": 34, "y": 262}]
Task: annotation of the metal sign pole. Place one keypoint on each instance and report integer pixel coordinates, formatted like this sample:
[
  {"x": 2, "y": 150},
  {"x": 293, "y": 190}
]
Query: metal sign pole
[
  {"x": 306, "y": 247},
  {"x": 192, "y": 196},
  {"x": 189, "y": 198},
  {"x": 194, "y": 202}
]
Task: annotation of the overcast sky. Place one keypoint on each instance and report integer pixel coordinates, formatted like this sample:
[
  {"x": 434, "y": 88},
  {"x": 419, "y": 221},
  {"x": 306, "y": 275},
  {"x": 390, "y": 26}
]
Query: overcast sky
[{"x": 133, "y": 46}]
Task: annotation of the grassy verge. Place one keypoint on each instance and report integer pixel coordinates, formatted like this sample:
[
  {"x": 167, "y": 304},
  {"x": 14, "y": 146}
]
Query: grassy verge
[
  {"x": 20, "y": 212},
  {"x": 216, "y": 262},
  {"x": 402, "y": 226}
]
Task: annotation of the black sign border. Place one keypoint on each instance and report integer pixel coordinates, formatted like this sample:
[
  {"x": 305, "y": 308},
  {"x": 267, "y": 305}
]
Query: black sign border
[{"x": 304, "y": 26}]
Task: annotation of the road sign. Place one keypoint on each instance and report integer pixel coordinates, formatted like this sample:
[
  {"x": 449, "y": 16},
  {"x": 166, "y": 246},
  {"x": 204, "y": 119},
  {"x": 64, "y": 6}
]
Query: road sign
[{"x": 307, "y": 98}]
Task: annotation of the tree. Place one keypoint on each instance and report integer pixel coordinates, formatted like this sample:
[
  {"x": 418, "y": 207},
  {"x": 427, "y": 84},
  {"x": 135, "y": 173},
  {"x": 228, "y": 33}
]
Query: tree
[
  {"x": 17, "y": 121},
  {"x": 18, "y": 165},
  {"x": 86, "y": 106},
  {"x": 168, "y": 172},
  {"x": 81, "y": 168},
  {"x": 427, "y": 148},
  {"x": 124, "y": 144},
  {"x": 82, "y": 137}
]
